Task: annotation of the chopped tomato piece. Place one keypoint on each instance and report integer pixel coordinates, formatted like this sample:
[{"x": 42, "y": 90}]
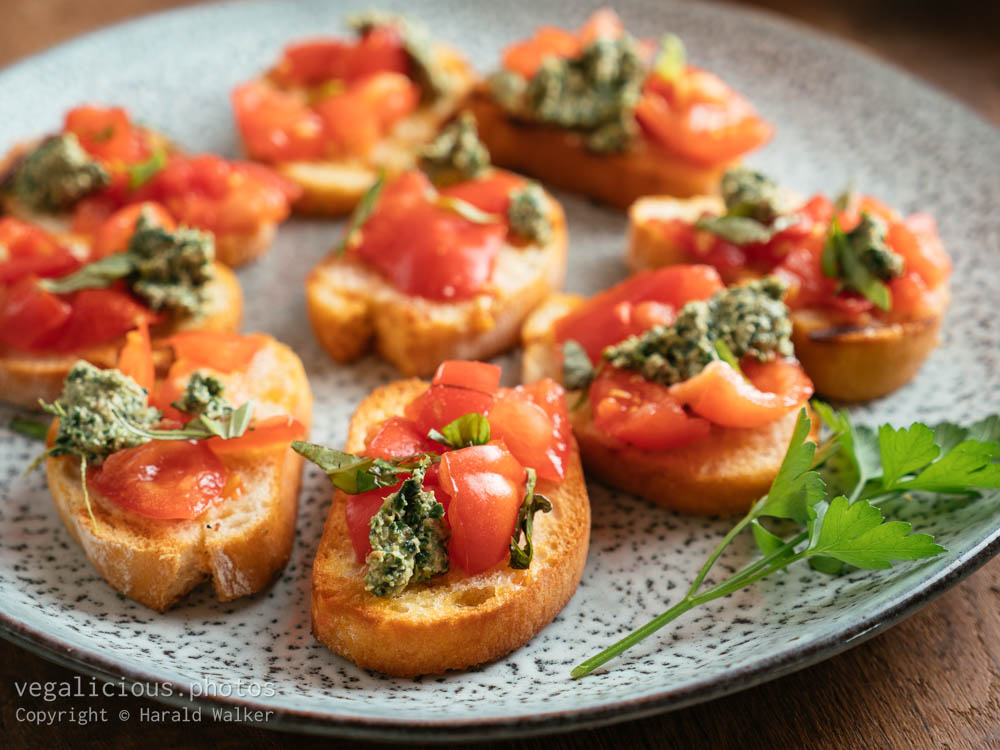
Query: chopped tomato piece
[
  {"x": 29, "y": 250},
  {"x": 276, "y": 126},
  {"x": 619, "y": 312},
  {"x": 910, "y": 298},
  {"x": 642, "y": 413},
  {"x": 721, "y": 394},
  {"x": 548, "y": 41},
  {"x": 490, "y": 194},
  {"x": 916, "y": 239},
  {"x": 359, "y": 510},
  {"x": 169, "y": 479},
  {"x": 100, "y": 315},
  {"x": 441, "y": 404},
  {"x": 91, "y": 211},
  {"x": 225, "y": 352},
  {"x": 108, "y": 134},
  {"x": 485, "y": 484},
  {"x": 317, "y": 61},
  {"x": 136, "y": 358},
  {"x": 400, "y": 438},
  {"x": 533, "y": 422},
  {"x": 114, "y": 235},
  {"x": 479, "y": 376},
  {"x": 266, "y": 433},
  {"x": 30, "y": 317}
]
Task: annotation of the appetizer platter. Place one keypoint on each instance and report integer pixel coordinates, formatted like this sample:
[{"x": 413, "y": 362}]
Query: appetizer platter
[{"x": 360, "y": 615}]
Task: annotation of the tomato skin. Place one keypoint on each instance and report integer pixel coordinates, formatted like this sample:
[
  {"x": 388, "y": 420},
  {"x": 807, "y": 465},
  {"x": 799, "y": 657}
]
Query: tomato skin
[
  {"x": 225, "y": 352},
  {"x": 642, "y": 413},
  {"x": 359, "y": 510},
  {"x": 441, "y": 404},
  {"x": 30, "y": 317},
  {"x": 617, "y": 313},
  {"x": 486, "y": 485},
  {"x": 31, "y": 251},
  {"x": 479, "y": 376},
  {"x": 114, "y": 235},
  {"x": 136, "y": 358},
  {"x": 100, "y": 315},
  {"x": 316, "y": 61},
  {"x": 720, "y": 394},
  {"x": 276, "y": 126},
  {"x": 398, "y": 437},
  {"x": 916, "y": 239},
  {"x": 526, "y": 57},
  {"x": 266, "y": 433},
  {"x": 533, "y": 422},
  {"x": 490, "y": 194},
  {"x": 167, "y": 479},
  {"x": 108, "y": 134}
]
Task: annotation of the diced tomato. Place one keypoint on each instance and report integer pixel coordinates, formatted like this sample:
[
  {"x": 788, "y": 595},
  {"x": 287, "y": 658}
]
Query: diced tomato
[
  {"x": 490, "y": 194},
  {"x": 359, "y": 510},
  {"x": 526, "y": 57},
  {"x": 916, "y": 239},
  {"x": 400, "y": 438},
  {"x": 442, "y": 404},
  {"x": 30, "y": 317},
  {"x": 267, "y": 433},
  {"x": 426, "y": 250},
  {"x": 317, "y": 61},
  {"x": 611, "y": 316},
  {"x": 485, "y": 484},
  {"x": 28, "y": 250},
  {"x": 276, "y": 126},
  {"x": 355, "y": 120},
  {"x": 850, "y": 217},
  {"x": 91, "y": 211},
  {"x": 114, "y": 235},
  {"x": 722, "y": 395},
  {"x": 479, "y": 376},
  {"x": 642, "y": 413},
  {"x": 533, "y": 422},
  {"x": 910, "y": 298},
  {"x": 136, "y": 358},
  {"x": 100, "y": 315},
  {"x": 108, "y": 134},
  {"x": 225, "y": 352},
  {"x": 700, "y": 118},
  {"x": 169, "y": 479}
]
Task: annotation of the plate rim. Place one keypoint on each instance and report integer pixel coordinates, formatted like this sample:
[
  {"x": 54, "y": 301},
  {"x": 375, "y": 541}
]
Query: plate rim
[{"x": 91, "y": 661}]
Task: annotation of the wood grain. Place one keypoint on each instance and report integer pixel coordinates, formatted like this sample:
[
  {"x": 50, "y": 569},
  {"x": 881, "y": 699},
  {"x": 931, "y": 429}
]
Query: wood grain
[{"x": 933, "y": 681}]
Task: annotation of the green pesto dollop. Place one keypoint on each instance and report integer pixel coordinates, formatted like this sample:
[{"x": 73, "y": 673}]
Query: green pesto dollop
[
  {"x": 753, "y": 194},
  {"x": 595, "y": 92},
  {"x": 432, "y": 77},
  {"x": 91, "y": 409},
  {"x": 528, "y": 213},
  {"x": 749, "y": 319},
  {"x": 57, "y": 174},
  {"x": 456, "y": 154},
  {"x": 170, "y": 269},
  {"x": 204, "y": 396},
  {"x": 408, "y": 538},
  {"x": 868, "y": 239}
]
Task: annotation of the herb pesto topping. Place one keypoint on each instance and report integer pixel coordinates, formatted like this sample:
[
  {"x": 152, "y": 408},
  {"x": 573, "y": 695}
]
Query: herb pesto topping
[
  {"x": 861, "y": 260},
  {"x": 432, "y": 77},
  {"x": 456, "y": 154},
  {"x": 203, "y": 396},
  {"x": 408, "y": 538},
  {"x": 91, "y": 410},
  {"x": 170, "y": 269},
  {"x": 749, "y": 320},
  {"x": 595, "y": 92},
  {"x": 868, "y": 239},
  {"x": 753, "y": 194},
  {"x": 528, "y": 213},
  {"x": 57, "y": 174}
]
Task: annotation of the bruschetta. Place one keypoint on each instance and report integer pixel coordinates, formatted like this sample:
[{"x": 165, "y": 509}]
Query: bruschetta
[
  {"x": 332, "y": 114},
  {"x": 62, "y": 300},
  {"x": 459, "y": 527},
  {"x": 171, "y": 482},
  {"x": 432, "y": 272},
  {"x": 72, "y": 181},
  {"x": 684, "y": 392},
  {"x": 604, "y": 114},
  {"x": 868, "y": 288}
]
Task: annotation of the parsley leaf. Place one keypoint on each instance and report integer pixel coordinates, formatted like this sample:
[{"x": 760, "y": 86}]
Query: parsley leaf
[
  {"x": 520, "y": 556},
  {"x": 905, "y": 451},
  {"x": 969, "y": 465},
  {"x": 856, "y": 534},
  {"x": 796, "y": 487},
  {"x": 468, "y": 429}
]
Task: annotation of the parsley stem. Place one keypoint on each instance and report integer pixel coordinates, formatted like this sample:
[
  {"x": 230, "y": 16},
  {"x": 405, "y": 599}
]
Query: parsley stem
[{"x": 733, "y": 533}]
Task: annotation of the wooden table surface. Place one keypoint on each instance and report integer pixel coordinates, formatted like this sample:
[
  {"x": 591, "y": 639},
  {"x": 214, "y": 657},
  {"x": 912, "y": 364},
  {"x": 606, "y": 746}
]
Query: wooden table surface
[{"x": 933, "y": 681}]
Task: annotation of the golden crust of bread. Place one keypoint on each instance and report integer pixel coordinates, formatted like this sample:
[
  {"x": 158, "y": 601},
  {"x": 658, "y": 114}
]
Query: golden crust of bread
[
  {"x": 454, "y": 621},
  {"x": 333, "y": 188},
  {"x": 720, "y": 475},
  {"x": 846, "y": 363},
  {"x": 26, "y": 377},
  {"x": 559, "y": 157},
  {"x": 239, "y": 544},
  {"x": 350, "y": 305}
]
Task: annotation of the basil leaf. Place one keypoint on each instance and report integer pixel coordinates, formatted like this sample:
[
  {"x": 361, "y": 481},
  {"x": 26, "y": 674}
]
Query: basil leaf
[
  {"x": 141, "y": 173},
  {"x": 469, "y": 429},
  {"x": 97, "y": 275},
  {"x": 361, "y": 213},
  {"x": 840, "y": 261},
  {"x": 578, "y": 371},
  {"x": 29, "y": 428},
  {"x": 355, "y": 474},
  {"x": 520, "y": 556},
  {"x": 739, "y": 230}
]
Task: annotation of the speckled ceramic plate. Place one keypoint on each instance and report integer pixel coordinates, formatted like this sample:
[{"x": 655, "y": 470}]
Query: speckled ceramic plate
[{"x": 841, "y": 116}]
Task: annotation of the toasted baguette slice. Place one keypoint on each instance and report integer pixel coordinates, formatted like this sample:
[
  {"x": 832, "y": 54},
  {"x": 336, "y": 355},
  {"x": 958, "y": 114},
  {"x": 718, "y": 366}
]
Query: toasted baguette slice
[
  {"x": 26, "y": 377},
  {"x": 333, "y": 188},
  {"x": 845, "y": 362},
  {"x": 239, "y": 544},
  {"x": 559, "y": 157},
  {"x": 722, "y": 474},
  {"x": 350, "y": 304},
  {"x": 454, "y": 621}
]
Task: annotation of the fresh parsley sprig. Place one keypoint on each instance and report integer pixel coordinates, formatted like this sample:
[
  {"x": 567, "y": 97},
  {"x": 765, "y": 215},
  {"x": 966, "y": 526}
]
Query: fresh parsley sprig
[
  {"x": 356, "y": 474},
  {"x": 199, "y": 428},
  {"x": 29, "y": 428},
  {"x": 831, "y": 491}
]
